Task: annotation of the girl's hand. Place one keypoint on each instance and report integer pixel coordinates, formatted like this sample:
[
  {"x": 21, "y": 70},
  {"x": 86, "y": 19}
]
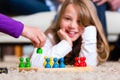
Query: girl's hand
[
  {"x": 64, "y": 36},
  {"x": 100, "y": 2}
]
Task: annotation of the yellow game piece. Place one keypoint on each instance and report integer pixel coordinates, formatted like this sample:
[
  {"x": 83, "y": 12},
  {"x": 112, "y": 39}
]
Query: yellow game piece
[
  {"x": 51, "y": 61},
  {"x": 44, "y": 60}
]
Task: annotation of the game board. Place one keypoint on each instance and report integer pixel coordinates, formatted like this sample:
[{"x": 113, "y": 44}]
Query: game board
[
  {"x": 67, "y": 69},
  {"x": 55, "y": 67},
  {"x": 27, "y": 69}
]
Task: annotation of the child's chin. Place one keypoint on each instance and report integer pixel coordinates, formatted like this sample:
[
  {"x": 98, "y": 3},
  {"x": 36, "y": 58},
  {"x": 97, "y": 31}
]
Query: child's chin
[{"x": 73, "y": 39}]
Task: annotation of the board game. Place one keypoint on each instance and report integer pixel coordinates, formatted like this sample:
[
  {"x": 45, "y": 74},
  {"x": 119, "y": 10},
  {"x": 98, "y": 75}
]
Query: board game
[
  {"x": 54, "y": 66},
  {"x": 67, "y": 69}
]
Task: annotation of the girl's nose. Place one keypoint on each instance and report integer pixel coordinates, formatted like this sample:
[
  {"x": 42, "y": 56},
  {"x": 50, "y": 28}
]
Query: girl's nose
[{"x": 73, "y": 25}]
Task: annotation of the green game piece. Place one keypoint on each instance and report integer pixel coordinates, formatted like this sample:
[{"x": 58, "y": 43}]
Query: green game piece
[
  {"x": 39, "y": 51},
  {"x": 22, "y": 64},
  {"x": 27, "y": 65}
]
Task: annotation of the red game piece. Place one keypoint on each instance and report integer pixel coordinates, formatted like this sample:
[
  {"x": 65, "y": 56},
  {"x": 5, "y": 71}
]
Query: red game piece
[
  {"x": 82, "y": 62},
  {"x": 76, "y": 64},
  {"x": 82, "y": 58}
]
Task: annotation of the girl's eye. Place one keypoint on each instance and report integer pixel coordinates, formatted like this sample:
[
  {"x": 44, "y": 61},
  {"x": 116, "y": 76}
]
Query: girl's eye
[
  {"x": 78, "y": 21},
  {"x": 67, "y": 18}
]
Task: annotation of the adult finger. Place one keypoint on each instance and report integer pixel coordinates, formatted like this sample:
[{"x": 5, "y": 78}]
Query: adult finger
[
  {"x": 42, "y": 39},
  {"x": 36, "y": 42}
]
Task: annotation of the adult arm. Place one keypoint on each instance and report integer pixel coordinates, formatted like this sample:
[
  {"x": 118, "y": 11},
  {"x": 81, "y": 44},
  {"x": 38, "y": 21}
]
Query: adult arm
[
  {"x": 15, "y": 28},
  {"x": 10, "y": 26}
]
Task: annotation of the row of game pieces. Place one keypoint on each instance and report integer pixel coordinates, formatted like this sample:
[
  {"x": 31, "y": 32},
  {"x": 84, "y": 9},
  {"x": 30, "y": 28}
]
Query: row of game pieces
[
  {"x": 53, "y": 63},
  {"x": 80, "y": 62},
  {"x": 48, "y": 63},
  {"x": 24, "y": 64}
]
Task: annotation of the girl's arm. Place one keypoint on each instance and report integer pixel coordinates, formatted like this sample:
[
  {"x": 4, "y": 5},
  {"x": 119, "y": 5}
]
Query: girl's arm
[
  {"x": 50, "y": 50},
  {"x": 89, "y": 45}
]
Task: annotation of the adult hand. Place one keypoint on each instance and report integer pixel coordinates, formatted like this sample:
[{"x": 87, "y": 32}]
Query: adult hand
[
  {"x": 64, "y": 36},
  {"x": 100, "y": 2},
  {"x": 37, "y": 37},
  {"x": 114, "y": 4}
]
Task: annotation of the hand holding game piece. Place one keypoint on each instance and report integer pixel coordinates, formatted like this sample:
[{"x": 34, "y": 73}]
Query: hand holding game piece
[{"x": 39, "y": 51}]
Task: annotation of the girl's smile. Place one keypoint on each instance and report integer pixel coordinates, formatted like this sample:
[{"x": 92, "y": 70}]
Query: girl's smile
[{"x": 71, "y": 34}]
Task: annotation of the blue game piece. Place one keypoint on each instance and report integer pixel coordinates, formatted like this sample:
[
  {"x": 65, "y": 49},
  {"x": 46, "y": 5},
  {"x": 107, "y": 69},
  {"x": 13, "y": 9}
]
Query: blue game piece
[
  {"x": 55, "y": 65},
  {"x": 48, "y": 63},
  {"x": 61, "y": 65}
]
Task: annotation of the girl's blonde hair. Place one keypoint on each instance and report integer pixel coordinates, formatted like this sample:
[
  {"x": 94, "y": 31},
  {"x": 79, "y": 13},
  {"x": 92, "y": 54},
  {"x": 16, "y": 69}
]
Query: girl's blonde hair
[{"x": 88, "y": 16}]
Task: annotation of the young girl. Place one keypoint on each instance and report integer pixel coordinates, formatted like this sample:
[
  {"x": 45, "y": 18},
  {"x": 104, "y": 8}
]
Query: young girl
[{"x": 77, "y": 32}]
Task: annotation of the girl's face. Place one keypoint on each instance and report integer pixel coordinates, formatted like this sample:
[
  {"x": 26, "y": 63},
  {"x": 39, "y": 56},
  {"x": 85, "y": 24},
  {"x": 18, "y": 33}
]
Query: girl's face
[{"x": 70, "y": 23}]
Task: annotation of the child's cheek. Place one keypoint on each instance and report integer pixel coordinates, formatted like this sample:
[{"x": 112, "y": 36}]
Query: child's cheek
[
  {"x": 63, "y": 29},
  {"x": 63, "y": 25}
]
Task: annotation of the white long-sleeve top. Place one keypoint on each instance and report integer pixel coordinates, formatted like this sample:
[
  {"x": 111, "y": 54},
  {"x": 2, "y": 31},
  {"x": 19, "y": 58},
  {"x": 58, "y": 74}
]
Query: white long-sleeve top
[{"x": 88, "y": 48}]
